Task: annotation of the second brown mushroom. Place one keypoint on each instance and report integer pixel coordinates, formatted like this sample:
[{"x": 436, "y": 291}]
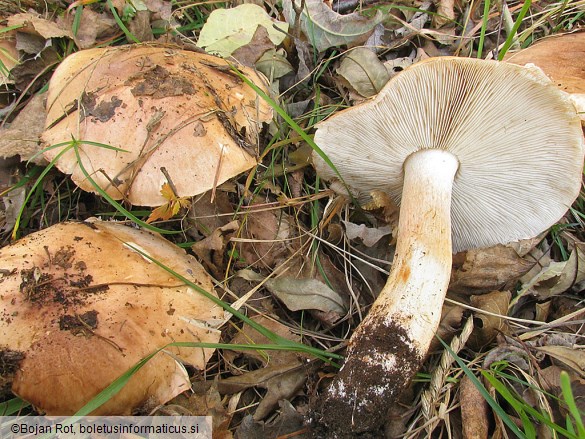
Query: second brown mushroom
[
  {"x": 181, "y": 117},
  {"x": 475, "y": 153},
  {"x": 82, "y": 303}
]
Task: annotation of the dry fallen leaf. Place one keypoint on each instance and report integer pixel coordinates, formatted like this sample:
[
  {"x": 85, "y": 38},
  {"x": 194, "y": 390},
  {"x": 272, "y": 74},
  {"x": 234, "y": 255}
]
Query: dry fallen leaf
[
  {"x": 8, "y": 56},
  {"x": 22, "y": 138},
  {"x": 33, "y": 24},
  {"x": 496, "y": 302},
  {"x": 474, "y": 411},
  {"x": 558, "y": 277},
  {"x": 570, "y": 357},
  {"x": 249, "y": 336},
  {"x": 227, "y": 30},
  {"x": 325, "y": 28},
  {"x": 281, "y": 382},
  {"x": 363, "y": 71},
  {"x": 300, "y": 294},
  {"x": 488, "y": 269},
  {"x": 369, "y": 235},
  {"x": 212, "y": 249},
  {"x": 171, "y": 207}
]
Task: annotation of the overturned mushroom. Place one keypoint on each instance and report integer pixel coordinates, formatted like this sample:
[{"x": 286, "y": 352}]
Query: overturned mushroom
[
  {"x": 80, "y": 306},
  {"x": 183, "y": 118},
  {"x": 476, "y": 153},
  {"x": 562, "y": 58}
]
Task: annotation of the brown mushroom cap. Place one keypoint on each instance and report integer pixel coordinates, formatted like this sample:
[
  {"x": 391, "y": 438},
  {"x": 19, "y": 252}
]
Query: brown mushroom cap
[
  {"x": 520, "y": 159},
  {"x": 183, "y": 111},
  {"x": 82, "y": 307}
]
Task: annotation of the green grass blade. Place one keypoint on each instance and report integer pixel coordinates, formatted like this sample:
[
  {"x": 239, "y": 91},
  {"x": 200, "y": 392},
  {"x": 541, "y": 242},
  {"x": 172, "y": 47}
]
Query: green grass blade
[
  {"x": 282, "y": 342},
  {"x": 512, "y": 35},
  {"x": 121, "y": 24},
  {"x": 484, "y": 24},
  {"x": 75, "y": 145},
  {"x": 12, "y": 406},
  {"x": 570, "y": 401},
  {"x": 498, "y": 410}
]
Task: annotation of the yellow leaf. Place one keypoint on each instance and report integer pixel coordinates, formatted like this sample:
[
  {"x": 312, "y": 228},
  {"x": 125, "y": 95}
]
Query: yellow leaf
[{"x": 171, "y": 207}]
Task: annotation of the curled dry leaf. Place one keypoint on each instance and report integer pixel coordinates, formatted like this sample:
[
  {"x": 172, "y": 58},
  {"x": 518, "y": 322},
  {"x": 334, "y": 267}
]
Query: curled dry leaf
[
  {"x": 22, "y": 138},
  {"x": 273, "y": 64},
  {"x": 8, "y": 56},
  {"x": 280, "y": 381},
  {"x": 35, "y": 25},
  {"x": 212, "y": 249},
  {"x": 369, "y": 235},
  {"x": 300, "y": 294},
  {"x": 249, "y": 336},
  {"x": 496, "y": 302},
  {"x": 488, "y": 269},
  {"x": 568, "y": 357},
  {"x": 474, "y": 411},
  {"x": 227, "y": 30},
  {"x": 325, "y": 28},
  {"x": 82, "y": 305},
  {"x": 92, "y": 26},
  {"x": 363, "y": 71},
  {"x": 198, "y": 120},
  {"x": 558, "y": 277}
]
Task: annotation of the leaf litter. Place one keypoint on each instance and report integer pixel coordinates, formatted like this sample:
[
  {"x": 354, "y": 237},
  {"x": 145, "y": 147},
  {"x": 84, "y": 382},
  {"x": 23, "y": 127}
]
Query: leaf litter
[{"x": 313, "y": 262}]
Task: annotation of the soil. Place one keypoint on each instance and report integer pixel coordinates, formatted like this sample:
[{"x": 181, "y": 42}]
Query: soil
[
  {"x": 159, "y": 83},
  {"x": 356, "y": 404},
  {"x": 103, "y": 111},
  {"x": 60, "y": 279}
]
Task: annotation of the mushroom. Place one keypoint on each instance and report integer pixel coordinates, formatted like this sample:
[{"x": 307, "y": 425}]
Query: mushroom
[
  {"x": 475, "y": 153},
  {"x": 81, "y": 305},
  {"x": 179, "y": 115},
  {"x": 562, "y": 58}
]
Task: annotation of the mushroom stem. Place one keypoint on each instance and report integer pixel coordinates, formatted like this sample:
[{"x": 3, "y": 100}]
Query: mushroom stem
[{"x": 389, "y": 346}]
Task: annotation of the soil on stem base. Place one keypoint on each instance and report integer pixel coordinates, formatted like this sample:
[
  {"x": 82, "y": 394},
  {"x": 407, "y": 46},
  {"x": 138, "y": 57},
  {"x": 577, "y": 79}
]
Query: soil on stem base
[{"x": 356, "y": 405}]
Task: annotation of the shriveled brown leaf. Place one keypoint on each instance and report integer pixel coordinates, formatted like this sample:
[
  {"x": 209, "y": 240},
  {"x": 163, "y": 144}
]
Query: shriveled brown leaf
[
  {"x": 569, "y": 357},
  {"x": 451, "y": 320},
  {"x": 488, "y": 269},
  {"x": 558, "y": 277},
  {"x": 22, "y": 138},
  {"x": 300, "y": 294},
  {"x": 8, "y": 56},
  {"x": 92, "y": 26},
  {"x": 474, "y": 411},
  {"x": 250, "y": 53},
  {"x": 325, "y": 28},
  {"x": 205, "y": 216},
  {"x": 207, "y": 401},
  {"x": 36, "y": 25},
  {"x": 496, "y": 302},
  {"x": 140, "y": 27},
  {"x": 445, "y": 13},
  {"x": 369, "y": 235},
  {"x": 280, "y": 381},
  {"x": 265, "y": 234},
  {"x": 363, "y": 71},
  {"x": 35, "y": 69},
  {"x": 288, "y": 423},
  {"x": 212, "y": 250},
  {"x": 249, "y": 336}
]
